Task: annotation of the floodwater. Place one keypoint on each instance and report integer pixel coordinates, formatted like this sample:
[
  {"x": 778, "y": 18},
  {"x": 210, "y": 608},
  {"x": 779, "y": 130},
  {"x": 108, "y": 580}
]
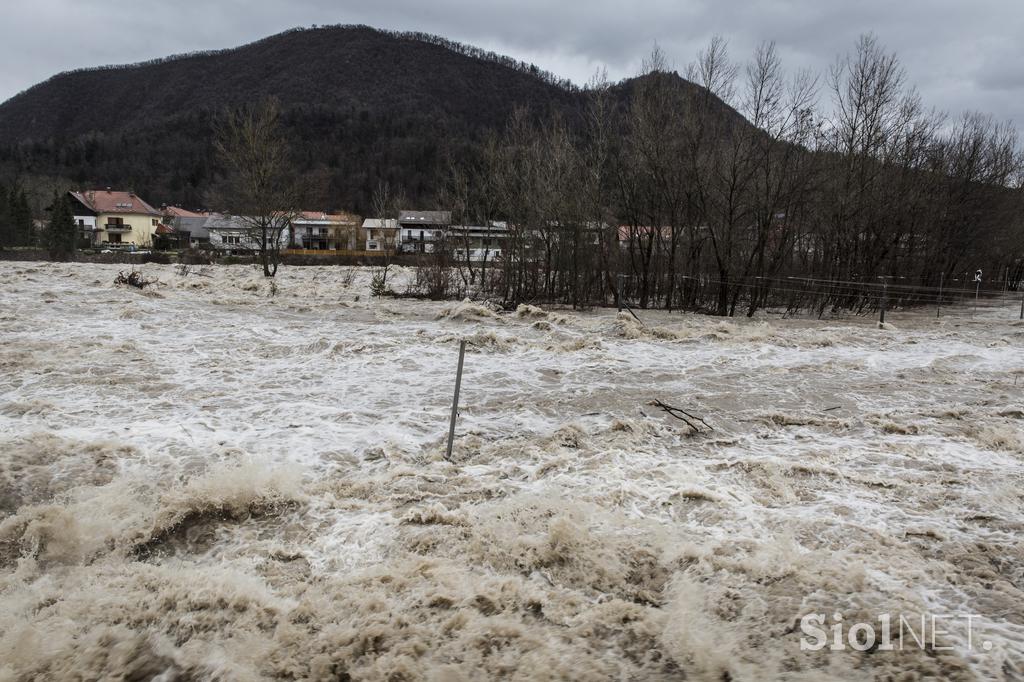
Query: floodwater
[{"x": 208, "y": 479}]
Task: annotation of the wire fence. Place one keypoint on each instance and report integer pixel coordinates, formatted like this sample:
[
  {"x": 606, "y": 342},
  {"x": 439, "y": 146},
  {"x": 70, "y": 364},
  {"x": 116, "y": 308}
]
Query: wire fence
[{"x": 887, "y": 298}]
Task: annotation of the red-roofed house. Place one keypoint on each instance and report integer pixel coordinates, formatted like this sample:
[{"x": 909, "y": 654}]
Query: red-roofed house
[
  {"x": 190, "y": 225},
  {"x": 108, "y": 217}
]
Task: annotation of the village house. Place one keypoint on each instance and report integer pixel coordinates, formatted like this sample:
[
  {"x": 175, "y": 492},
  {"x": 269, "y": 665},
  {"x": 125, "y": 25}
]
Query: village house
[
  {"x": 478, "y": 243},
  {"x": 190, "y": 225},
  {"x": 420, "y": 231},
  {"x": 108, "y": 218},
  {"x": 318, "y": 231},
  {"x": 427, "y": 231},
  {"x": 382, "y": 234},
  {"x": 233, "y": 234}
]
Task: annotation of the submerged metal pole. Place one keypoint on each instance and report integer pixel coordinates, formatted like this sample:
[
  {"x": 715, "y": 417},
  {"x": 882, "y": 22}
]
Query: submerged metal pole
[
  {"x": 455, "y": 401},
  {"x": 885, "y": 296},
  {"x": 938, "y": 305},
  {"x": 977, "y": 290}
]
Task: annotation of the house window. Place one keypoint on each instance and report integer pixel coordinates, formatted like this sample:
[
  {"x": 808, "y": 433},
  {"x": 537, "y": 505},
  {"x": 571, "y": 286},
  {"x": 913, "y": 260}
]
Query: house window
[
  {"x": 154, "y": 222},
  {"x": 114, "y": 238}
]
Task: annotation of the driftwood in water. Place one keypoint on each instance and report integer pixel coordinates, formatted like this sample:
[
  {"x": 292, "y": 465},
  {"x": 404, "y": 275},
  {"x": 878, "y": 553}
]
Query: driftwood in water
[
  {"x": 133, "y": 279},
  {"x": 682, "y": 415}
]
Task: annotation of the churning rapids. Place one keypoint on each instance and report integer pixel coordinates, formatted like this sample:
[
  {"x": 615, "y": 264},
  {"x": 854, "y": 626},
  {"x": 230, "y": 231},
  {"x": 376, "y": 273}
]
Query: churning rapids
[{"x": 201, "y": 481}]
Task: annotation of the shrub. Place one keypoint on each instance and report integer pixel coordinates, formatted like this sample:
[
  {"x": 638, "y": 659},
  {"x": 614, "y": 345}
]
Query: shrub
[{"x": 377, "y": 285}]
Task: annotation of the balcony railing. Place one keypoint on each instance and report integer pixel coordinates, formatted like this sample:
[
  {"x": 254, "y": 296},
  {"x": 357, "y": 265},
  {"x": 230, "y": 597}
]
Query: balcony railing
[
  {"x": 318, "y": 244},
  {"x": 117, "y": 227}
]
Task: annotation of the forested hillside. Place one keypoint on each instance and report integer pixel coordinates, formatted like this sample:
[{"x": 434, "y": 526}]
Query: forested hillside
[{"x": 359, "y": 104}]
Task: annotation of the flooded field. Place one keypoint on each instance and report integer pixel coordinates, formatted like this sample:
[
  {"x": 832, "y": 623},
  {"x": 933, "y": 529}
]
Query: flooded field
[{"x": 202, "y": 480}]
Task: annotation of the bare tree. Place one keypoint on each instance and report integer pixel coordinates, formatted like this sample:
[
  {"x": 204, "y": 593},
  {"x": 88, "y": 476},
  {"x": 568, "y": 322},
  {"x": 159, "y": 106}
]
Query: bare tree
[
  {"x": 261, "y": 188},
  {"x": 781, "y": 113},
  {"x": 385, "y": 205},
  {"x": 790, "y": 207}
]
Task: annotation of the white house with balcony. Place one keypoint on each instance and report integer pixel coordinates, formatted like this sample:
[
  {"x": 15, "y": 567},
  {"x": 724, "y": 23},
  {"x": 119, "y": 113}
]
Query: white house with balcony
[
  {"x": 114, "y": 218},
  {"x": 477, "y": 243},
  {"x": 420, "y": 231}
]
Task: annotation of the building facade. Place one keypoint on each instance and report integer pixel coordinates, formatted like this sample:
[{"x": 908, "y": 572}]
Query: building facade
[
  {"x": 190, "y": 225},
  {"x": 477, "y": 243},
  {"x": 422, "y": 231},
  {"x": 233, "y": 234},
  {"x": 109, "y": 218},
  {"x": 382, "y": 234},
  {"x": 317, "y": 231}
]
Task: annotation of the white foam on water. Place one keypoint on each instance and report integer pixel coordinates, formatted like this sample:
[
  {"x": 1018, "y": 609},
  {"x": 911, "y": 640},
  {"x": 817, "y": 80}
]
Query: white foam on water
[{"x": 217, "y": 482}]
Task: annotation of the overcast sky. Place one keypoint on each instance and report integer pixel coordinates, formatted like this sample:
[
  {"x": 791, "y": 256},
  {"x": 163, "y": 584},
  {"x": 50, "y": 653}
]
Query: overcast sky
[{"x": 962, "y": 54}]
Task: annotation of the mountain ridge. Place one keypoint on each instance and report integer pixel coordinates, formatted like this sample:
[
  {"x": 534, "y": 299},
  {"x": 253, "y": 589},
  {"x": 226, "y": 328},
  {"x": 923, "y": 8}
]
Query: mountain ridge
[{"x": 360, "y": 104}]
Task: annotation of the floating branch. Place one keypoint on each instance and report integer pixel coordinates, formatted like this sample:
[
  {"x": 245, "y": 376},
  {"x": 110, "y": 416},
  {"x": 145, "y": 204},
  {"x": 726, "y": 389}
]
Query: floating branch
[
  {"x": 133, "y": 279},
  {"x": 682, "y": 415}
]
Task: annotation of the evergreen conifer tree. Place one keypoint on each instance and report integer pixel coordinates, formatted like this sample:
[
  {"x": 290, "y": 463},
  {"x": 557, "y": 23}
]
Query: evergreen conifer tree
[
  {"x": 6, "y": 225},
  {"x": 21, "y": 217},
  {"x": 62, "y": 233}
]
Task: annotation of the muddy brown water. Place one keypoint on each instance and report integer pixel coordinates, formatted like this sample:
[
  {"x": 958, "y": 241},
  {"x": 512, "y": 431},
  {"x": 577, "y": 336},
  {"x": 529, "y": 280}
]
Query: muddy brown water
[{"x": 203, "y": 481}]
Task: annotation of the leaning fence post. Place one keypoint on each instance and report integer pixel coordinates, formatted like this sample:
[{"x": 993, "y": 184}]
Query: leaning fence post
[{"x": 455, "y": 400}]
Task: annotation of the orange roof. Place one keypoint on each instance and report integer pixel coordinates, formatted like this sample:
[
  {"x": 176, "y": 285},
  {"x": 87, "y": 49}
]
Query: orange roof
[
  {"x": 164, "y": 229},
  {"x": 107, "y": 201},
  {"x": 178, "y": 212}
]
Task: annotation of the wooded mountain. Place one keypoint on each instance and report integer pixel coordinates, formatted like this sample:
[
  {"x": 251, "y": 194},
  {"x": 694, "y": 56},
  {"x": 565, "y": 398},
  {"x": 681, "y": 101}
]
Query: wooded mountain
[{"x": 359, "y": 104}]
